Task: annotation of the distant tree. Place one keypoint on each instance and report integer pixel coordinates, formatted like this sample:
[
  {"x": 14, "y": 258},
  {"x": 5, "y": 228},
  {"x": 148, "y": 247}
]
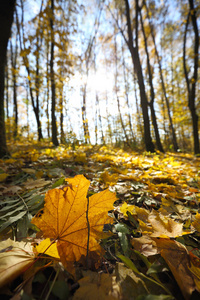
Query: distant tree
[
  {"x": 172, "y": 130},
  {"x": 152, "y": 93},
  {"x": 192, "y": 82},
  {"x": 25, "y": 51},
  {"x": 13, "y": 54},
  {"x": 6, "y": 18},
  {"x": 52, "y": 75},
  {"x": 134, "y": 51}
]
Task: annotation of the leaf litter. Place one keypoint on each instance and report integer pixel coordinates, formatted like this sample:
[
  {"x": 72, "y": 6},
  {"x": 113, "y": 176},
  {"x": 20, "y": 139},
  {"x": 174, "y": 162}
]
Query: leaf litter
[{"x": 146, "y": 245}]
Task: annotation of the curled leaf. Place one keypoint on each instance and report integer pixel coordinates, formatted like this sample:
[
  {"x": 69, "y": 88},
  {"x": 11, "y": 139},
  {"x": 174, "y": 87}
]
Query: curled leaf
[{"x": 15, "y": 257}]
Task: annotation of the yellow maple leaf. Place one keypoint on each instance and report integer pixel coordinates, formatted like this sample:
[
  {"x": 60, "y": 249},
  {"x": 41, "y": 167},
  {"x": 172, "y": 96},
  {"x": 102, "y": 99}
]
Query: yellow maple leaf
[
  {"x": 196, "y": 223},
  {"x": 109, "y": 179},
  {"x": 47, "y": 247},
  {"x": 70, "y": 218}
]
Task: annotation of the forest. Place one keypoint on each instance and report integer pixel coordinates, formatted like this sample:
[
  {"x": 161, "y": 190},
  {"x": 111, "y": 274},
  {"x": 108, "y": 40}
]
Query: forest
[
  {"x": 99, "y": 149},
  {"x": 117, "y": 73}
]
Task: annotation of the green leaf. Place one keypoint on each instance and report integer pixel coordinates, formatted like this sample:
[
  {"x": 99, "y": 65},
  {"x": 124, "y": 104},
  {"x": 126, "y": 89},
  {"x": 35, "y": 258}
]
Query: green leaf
[
  {"x": 12, "y": 212},
  {"x": 155, "y": 297},
  {"x": 60, "y": 290},
  {"x": 124, "y": 243},
  {"x": 122, "y": 228},
  {"x": 128, "y": 263},
  {"x": 11, "y": 220},
  {"x": 59, "y": 182}
]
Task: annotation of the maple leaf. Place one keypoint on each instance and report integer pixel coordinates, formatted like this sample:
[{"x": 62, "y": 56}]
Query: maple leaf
[
  {"x": 109, "y": 179},
  {"x": 196, "y": 223},
  {"x": 70, "y": 218}
]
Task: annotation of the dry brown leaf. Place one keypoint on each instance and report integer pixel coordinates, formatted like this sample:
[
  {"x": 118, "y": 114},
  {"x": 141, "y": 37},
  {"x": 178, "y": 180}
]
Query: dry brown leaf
[
  {"x": 32, "y": 184},
  {"x": 15, "y": 257},
  {"x": 164, "y": 226},
  {"x": 97, "y": 286},
  {"x": 178, "y": 259},
  {"x": 145, "y": 245}
]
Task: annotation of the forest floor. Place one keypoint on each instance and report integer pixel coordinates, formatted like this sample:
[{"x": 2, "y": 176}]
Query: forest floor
[{"x": 153, "y": 251}]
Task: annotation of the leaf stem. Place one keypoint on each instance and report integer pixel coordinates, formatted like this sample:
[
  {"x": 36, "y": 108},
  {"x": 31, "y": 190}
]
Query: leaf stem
[
  {"x": 52, "y": 285},
  {"x": 88, "y": 240}
]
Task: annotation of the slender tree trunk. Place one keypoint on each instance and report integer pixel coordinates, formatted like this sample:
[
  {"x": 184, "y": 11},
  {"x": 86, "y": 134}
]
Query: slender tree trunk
[
  {"x": 127, "y": 96},
  {"x": 116, "y": 92},
  {"x": 53, "y": 86},
  {"x": 6, "y": 91},
  {"x": 138, "y": 68},
  {"x": 27, "y": 109},
  {"x": 26, "y": 64},
  {"x": 14, "y": 85},
  {"x": 108, "y": 119},
  {"x": 138, "y": 113},
  {"x": 37, "y": 87},
  {"x": 47, "y": 93},
  {"x": 84, "y": 117},
  {"x": 97, "y": 112},
  {"x": 6, "y": 19},
  {"x": 174, "y": 140},
  {"x": 62, "y": 134},
  {"x": 152, "y": 93},
  {"x": 191, "y": 85}
]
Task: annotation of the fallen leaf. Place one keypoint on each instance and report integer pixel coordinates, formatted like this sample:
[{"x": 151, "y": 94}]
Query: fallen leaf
[
  {"x": 80, "y": 158},
  {"x": 15, "y": 257},
  {"x": 196, "y": 223},
  {"x": 109, "y": 179},
  {"x": 47, "y": 247},
  {"x": 165, "y": 227},
  {"x": 177, "y": 257},
  {"x": 32, "y": 184},
  {"x": 29, "y": 170},
  {"x": 133, "y": 283},
  {"x": 12, "y": 190},
  {"x": 97, "y": 286},
  {"x": 3, "y": 177},
  {"x": 65, "y": 219},
  {"x": 145, "y": 245}
]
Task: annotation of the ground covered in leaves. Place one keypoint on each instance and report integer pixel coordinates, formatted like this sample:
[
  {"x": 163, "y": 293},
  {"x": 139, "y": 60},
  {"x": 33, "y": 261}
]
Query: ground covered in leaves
[{"x": 146, "y": 246}]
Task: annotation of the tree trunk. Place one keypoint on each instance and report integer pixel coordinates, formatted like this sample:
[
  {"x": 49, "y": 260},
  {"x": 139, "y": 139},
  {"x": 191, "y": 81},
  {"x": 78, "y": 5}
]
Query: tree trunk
[
  {"x": 191, "y": 86},
  {"x": 6, "y": 19},
  {"x": 84, "y": 117},
  {"x": 116, "y": 92},
  {"x": 133, "y": 140},
  {"x": 14, "y": 82},
  {"x": 151, "y": 103},
  {"x": 53, "y": 86},
  {"x": 138, "y": 68},
  {"x": 26, "y": 64},
  {"x": 47, "y": 90},
  {"x": 174, "y": 140}
]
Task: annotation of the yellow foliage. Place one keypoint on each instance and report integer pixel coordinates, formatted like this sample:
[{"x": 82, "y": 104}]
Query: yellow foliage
[
  {"x": 109, "y": 179},
  {"x": 3, "y": 177},
  {"x": 67, "y": 212},
  {"x": 47, "y": 247}
]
